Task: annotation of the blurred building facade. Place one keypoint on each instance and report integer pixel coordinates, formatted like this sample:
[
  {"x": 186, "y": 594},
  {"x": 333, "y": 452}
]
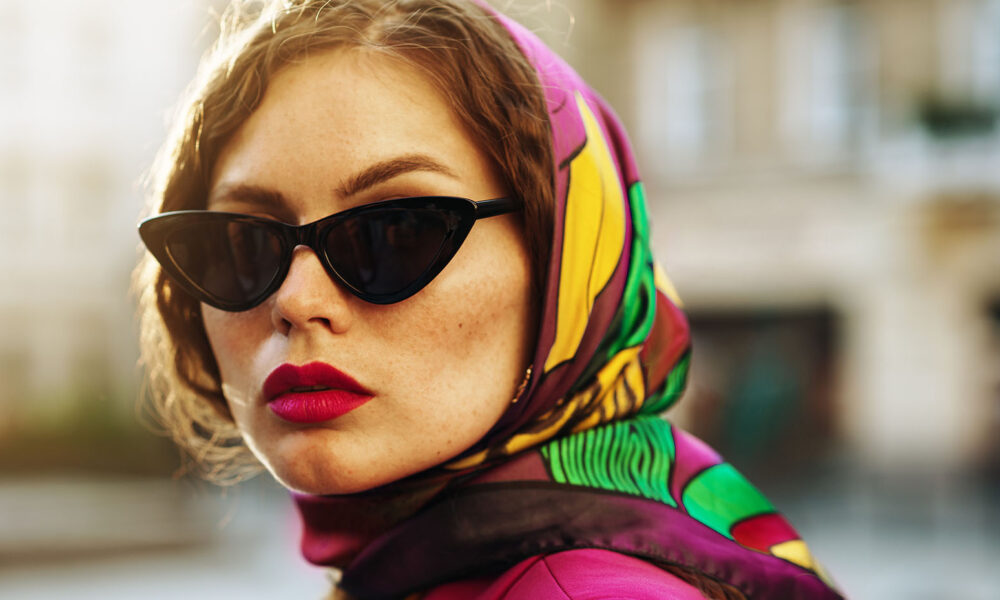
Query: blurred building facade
[
  {"x": 824, "y": 179},
  {"x": 824, "y": 176},
  {"x": 85, "y": 89}
]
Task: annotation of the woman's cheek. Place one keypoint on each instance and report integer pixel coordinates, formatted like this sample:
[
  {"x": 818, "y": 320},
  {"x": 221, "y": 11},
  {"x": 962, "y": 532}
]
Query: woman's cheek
[
  {"x": 236, "y": 339},
  {"x": 450, "y": 322}
]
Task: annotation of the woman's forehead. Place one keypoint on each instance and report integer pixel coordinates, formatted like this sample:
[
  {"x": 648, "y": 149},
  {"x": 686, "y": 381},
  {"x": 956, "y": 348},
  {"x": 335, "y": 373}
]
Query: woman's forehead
[
  {"x": 346, "y": 98},
  {"x": 342, "y": 121}
]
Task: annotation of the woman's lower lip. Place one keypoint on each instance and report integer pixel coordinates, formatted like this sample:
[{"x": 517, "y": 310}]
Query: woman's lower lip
[{"x": 316, "y": 407}]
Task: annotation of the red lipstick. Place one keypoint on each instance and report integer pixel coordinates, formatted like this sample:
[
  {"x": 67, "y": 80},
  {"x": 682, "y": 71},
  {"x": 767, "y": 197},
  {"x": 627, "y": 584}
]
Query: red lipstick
[{"x": 312, "y": 393}]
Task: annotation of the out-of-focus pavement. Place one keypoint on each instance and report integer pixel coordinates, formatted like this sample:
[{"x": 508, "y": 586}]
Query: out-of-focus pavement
[
  {"x": 152, "y": 539},
  {"x": 916, "y": 539},
  {"x": 64, "y": 538}
]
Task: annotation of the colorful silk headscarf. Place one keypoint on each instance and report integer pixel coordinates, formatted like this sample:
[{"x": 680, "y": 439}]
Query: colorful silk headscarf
[{"x": 582, "y": 459}]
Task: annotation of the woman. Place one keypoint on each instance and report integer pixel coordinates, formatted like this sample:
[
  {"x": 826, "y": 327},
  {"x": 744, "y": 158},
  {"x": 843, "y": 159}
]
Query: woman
[{"x": 400, "y": 259}]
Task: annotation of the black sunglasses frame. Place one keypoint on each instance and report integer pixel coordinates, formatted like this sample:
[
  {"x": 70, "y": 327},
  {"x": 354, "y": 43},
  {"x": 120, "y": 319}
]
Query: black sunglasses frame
[{"x": 156, "y": 230}]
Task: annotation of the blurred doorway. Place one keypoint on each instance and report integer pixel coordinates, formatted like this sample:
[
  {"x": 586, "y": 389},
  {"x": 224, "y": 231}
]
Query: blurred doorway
[{"x": 763, "y": 386}]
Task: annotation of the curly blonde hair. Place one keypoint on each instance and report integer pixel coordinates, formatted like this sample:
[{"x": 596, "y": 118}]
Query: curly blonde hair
[{"x": 458, "y": 45}]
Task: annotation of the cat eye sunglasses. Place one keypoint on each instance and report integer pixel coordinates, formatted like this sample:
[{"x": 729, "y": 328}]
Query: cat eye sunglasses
[{"x": 382, "y": 252}]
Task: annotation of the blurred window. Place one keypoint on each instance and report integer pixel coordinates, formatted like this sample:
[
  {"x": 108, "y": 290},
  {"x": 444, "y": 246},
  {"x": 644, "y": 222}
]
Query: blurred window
[
  {"x": 94, "y": 57},
  {"x": 986, "y": 52},
  {"x": 690, "y": 68},
  {"x": 15, "y": 195},
  {"x": 86, "y": 198},
  {"x": 15, "y": 369},
  {"x": 12, "y": 63},
  {"x": 970, "y": 51},
  {"x": 683, "y": 92},
  {"x": 91, "y": 362},
  {"x": 823, "y": 57}
]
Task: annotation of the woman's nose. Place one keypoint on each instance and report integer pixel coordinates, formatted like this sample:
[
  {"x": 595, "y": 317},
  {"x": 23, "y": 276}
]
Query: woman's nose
[{"x": 309, "y": 297}]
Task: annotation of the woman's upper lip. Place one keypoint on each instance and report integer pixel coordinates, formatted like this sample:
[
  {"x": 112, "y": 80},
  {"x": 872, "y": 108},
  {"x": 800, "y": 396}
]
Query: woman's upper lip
[{"x": 288, "y": 376}]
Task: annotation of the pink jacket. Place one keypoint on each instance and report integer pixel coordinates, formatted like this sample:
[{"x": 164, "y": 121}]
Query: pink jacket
[{"x": 573, "y": 575}]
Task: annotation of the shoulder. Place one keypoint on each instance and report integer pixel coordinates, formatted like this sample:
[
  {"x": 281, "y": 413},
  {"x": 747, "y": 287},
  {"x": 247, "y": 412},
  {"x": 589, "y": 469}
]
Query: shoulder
[{"x": 585, "y": 575}]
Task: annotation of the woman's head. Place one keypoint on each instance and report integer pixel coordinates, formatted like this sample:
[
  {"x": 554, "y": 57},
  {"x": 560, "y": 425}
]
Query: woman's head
[{"x": 435, "y": 99}]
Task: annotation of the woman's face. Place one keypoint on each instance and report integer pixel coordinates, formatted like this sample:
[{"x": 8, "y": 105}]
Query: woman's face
[{"x": 342, "y": 129}]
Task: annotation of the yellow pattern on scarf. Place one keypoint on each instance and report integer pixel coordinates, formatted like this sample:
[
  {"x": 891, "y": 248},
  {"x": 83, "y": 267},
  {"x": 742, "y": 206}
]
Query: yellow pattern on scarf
[{"x": 593, "y": 237}]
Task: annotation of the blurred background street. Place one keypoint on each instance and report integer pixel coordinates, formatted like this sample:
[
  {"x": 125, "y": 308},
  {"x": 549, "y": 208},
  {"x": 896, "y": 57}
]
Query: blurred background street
[{"x": 824, "y": 183}]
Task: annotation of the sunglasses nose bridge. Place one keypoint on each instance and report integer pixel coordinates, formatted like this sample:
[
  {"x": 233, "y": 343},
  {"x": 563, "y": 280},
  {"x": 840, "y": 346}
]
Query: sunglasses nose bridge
[
  {"x": 294, "y": 236},
  {"x": 309, "y": 236}
]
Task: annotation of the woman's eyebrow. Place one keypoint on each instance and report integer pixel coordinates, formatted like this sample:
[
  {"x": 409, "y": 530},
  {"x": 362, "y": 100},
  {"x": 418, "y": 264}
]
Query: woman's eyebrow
[
  {"x": 387, "y": 169},
  {"x": 373, "y": 175},
  {"x": 249, "y": 194}
]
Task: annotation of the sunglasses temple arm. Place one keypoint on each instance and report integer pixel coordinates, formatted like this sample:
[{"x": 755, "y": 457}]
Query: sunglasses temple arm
[{"x": 497, "y": 206}]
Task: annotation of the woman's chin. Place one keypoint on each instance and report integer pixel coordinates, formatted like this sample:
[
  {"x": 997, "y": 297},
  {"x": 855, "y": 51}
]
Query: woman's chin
[
  {"x": 348, "y": 459},
  {"x": 306, "y": 477},
  {"x": 307, "y": 467}
]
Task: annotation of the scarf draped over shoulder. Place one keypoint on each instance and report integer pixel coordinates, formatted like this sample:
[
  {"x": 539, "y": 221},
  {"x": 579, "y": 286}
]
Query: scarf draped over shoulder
[{"x": 582, "y": 459}]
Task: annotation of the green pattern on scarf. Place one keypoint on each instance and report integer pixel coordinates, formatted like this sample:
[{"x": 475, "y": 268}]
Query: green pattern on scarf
[
  {"x": 720, "y": 497},
  {"x": 633, "y": 457}
]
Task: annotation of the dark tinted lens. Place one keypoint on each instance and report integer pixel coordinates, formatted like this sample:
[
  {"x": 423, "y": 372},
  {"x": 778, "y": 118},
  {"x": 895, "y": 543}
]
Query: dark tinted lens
[
  {"x": 231, "y": 260},
  {"x": 383, "y": 252}
]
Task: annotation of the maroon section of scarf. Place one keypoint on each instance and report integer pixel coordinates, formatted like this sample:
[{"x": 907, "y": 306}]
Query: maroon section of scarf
[{"x": 487, "y": 528}]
